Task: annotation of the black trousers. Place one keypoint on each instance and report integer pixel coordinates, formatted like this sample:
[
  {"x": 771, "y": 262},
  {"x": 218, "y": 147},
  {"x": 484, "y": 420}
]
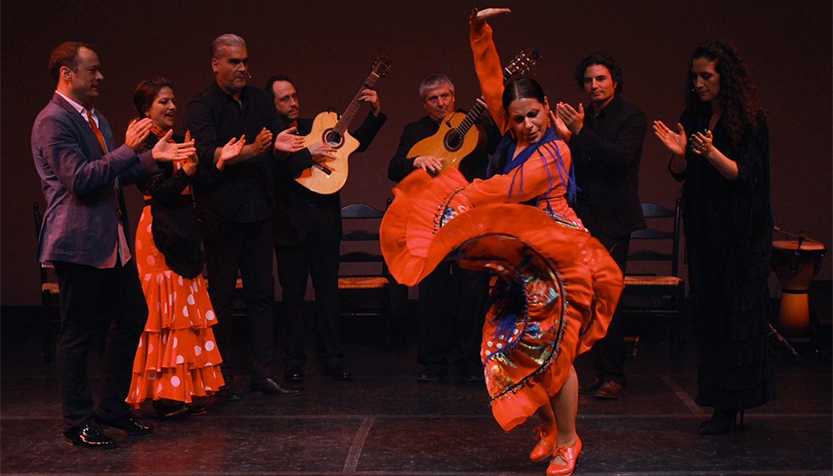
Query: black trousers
[
  {"x": 609, "y": 352},
  {"x": 316, "y": 256},
  {"x": 87, "y": 295},
  {"x": 246, "y": 247},
  {"x": 452, "y": 307}
]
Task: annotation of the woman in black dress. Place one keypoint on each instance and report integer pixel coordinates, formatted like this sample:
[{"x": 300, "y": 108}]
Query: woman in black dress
[{"x": 724, "y": 164}]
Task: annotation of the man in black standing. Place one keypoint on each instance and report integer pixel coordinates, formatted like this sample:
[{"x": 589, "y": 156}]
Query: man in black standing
[
  {"x": 310, "y": 246},
  {"x": 606, "y": 145},
  {"x": 236, "y": 214},
  {"x": 452, "y": 300}
]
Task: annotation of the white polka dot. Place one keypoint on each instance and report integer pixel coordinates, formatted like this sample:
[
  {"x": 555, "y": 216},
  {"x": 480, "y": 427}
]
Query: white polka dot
[
  {"x": 175, "y": 381},
  {"x": 209, "y": 345},
  {"x": 488, "y": 352},
  {"x": 159, "y": 387},
  {"x": 158, "y": 306},
  {"x": 489, "y": 343},
  {"x": 150, "y": 260},
  {"x": 180, "y": 360},
  {"x": 209, "y": 315},
  {"x": 500, "y": 346},
  {"x": 165, "y": 309},
  {"x": 150, "y": 348},
  {"x": 159, "y": 279},
  {"x": 197, "y": 350},
  {"x": 137, "y": 391},
  {"x": 185, "y": 311},
  {"x": 180, "y": 280},
  {"x": 176, "y": 341},
  {"x": 141, "y": 343},
  {"x": 209, "y": 364},
  {"x": 191, "y": 300},
  {"x": 147, "y": 277},
  {"x": 173, "y": 297},
  {"x": 152, "y": 375},
  {"x": 208, "y": 389},
  {"x": 150, "y": 228},
  {"x": 165, "y": 339}
]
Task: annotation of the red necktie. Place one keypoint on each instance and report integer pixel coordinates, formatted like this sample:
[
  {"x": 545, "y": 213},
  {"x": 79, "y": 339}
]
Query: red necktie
[{"x": 96, "y": 131}]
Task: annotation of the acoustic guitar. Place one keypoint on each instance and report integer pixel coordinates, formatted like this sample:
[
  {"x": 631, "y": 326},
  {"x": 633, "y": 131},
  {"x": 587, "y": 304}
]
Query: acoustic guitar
[
  {"x": 327, "y": 176},
  {"x": 456, "y": 137}
]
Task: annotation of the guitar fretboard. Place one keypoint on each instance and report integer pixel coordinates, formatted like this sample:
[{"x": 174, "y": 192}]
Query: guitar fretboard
[{"x": 343, "y": 123}]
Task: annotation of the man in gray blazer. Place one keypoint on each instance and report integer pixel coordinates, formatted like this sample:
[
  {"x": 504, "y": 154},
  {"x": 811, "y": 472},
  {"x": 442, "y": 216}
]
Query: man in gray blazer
[{"x": 84, "y": 236}]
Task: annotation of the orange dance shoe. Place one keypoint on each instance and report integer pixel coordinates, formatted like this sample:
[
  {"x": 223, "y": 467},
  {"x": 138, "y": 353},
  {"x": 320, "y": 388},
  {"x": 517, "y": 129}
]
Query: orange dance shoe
[
  {"x": 545, "y": 446},
  {"x": 569, "y": 455}
]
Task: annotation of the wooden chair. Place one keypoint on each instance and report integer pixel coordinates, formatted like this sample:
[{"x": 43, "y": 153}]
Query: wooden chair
[
  {"x": 362, "y": 268},
  {"x": 654, "y": 294},
  {"x": 50, "y": 297}
]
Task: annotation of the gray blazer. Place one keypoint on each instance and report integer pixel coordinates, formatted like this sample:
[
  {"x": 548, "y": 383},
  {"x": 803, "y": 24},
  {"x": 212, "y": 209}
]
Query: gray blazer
[{"x": 81, "y": 218}]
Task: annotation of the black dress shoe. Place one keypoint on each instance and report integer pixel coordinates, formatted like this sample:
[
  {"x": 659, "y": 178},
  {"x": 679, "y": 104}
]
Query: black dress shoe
[
  {"x": 127, "y": 424},
  {"x": 430, "y": 375},
  {"x": 227, "y": 393},
  {"x": 167, "y": 410},
  {"x": 294, "y": 376},
  {"x": 338, "y": 372},
  {"x": 90, "y": 436},
  {"x": 270, "y": 387},
  {"x": 473, "y": 377}
]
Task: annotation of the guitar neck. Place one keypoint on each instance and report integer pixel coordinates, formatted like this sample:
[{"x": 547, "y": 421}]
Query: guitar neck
[
  {"x": 344, "y": 122},
  {"x": 477, "y": 110}
]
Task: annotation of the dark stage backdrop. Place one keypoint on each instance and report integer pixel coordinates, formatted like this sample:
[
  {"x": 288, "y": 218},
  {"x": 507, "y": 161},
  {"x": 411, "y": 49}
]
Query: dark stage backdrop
[{"x": 327, "y": 48}]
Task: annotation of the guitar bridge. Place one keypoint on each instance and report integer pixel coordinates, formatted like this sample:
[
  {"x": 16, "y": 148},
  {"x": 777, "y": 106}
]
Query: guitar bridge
[{"x": 322, "y": 168}]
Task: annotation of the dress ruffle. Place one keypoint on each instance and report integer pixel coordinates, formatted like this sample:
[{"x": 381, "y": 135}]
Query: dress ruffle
[
  {"x": 177, "y": 357},
  {"x": 567, "y": 284}
]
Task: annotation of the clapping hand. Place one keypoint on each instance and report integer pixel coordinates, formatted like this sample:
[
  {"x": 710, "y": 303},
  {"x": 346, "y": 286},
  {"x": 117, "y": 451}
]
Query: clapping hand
[
  {"x": 230, "y": 150},
  {"x": 673, "y": 141},
  {"x": 137, "y": 132},
  {"x": 700, "y": 143},
  {"x": 167, "y": 151},
  {"x": 262, "y": 142},
  {"x": 573, "y": 120},
  {"x": 288, "y": 141}
]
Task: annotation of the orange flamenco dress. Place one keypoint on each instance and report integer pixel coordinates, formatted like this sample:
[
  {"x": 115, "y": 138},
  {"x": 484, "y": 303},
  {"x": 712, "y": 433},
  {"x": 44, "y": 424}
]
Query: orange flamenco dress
[
  {"x": 557, "y": 287},
  {"x": 177, "y": 357}
]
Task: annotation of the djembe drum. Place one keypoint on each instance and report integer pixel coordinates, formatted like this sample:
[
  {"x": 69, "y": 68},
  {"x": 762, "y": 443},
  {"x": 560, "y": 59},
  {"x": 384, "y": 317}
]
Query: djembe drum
[{"x": 796, "y": 264}]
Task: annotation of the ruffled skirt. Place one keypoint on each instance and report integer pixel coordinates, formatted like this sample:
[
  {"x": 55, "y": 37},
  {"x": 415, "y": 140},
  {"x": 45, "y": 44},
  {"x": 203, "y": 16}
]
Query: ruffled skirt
[{"x": 177, "y": 358}]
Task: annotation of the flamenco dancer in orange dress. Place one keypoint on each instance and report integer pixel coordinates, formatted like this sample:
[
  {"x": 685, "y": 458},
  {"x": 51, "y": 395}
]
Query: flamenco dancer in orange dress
[
  {"x": 556, "y": 286},
  {"x": 177, "y": 359}
]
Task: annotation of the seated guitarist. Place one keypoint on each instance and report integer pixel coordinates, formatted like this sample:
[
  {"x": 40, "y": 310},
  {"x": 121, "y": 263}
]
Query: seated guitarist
[
  {"x": 308, "y": 236},
  {"x": 451, "y": 300}
]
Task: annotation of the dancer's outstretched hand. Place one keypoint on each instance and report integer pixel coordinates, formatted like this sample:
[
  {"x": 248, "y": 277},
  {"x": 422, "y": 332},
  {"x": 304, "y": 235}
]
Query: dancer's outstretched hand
[{"x": 481, "y": 16}]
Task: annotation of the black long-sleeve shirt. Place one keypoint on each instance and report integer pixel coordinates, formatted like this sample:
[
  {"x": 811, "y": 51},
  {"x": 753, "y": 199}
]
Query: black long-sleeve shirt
[{"x": 245, "y": 193}]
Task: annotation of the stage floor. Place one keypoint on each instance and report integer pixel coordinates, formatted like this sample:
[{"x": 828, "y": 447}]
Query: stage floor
[{"x": 386, "y": 423}]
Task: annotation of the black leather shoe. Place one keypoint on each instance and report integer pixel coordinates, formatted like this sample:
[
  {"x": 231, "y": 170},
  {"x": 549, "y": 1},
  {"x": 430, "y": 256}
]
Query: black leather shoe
[
  {"x": 338, "y": 372},
  {"x": 591, "y": 387},
  {"x": 610, "y": 390},
  {"x": 167, "y": 410},
  {"x": 90, "y": 436},
  {"x": 270, "y": 387},
  {"x": 127, "y": 424},
  {"x": 294, "y": 376},
  {"x": 227, "y": 393},
  {"x": 473, "y": 377},
  {"x": 429, "y": 375}
]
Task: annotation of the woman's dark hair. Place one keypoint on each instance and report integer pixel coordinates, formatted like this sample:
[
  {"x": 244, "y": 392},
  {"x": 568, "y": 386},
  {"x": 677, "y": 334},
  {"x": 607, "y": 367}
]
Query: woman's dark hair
[
  {"x": 147, "y": 91},
  {"x": 738, "y": 97},
  {"x": 522, "y": 88},
  {"x": 604, "y": 60}
]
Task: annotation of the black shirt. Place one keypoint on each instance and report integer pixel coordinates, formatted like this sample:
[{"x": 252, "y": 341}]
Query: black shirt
[
  {"x": 606, "y": 156},
  {"x": 245, "y": 191}
]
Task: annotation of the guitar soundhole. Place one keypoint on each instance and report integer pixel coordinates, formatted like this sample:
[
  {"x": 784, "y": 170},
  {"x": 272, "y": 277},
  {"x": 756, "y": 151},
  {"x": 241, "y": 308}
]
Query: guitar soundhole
[
  {"x": 453, "y": 141},
  {"x": 333, "y": 138}
]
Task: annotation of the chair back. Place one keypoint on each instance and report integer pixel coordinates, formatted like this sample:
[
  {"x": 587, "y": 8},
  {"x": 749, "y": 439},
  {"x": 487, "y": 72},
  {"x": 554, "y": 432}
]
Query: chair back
[{"x": 660, "y": 242}]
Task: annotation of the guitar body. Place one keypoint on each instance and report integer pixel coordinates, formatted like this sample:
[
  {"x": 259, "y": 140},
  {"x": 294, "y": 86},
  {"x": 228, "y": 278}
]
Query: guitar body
[
  {"x": 452, "y": 149},
  {"x": 316, "y": 179}
]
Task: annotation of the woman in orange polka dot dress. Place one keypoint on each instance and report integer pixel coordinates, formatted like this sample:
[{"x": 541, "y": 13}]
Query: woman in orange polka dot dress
[{"x": 177, "y": 359}]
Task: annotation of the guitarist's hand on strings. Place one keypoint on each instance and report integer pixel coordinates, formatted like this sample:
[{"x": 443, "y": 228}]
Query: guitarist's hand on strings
[
  {"x": 429, "y": 163},
  {"x": 322, "y": 150},
  {"x": 481, "y": 16},
  {"x": 370, "y": 96},
  {"x": 288, "y": 141}
]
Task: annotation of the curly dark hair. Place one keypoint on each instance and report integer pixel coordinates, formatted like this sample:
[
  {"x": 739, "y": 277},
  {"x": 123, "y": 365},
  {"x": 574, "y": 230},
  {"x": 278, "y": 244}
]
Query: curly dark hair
[
  {"x": 605, "y": 60},
  {"x": 741, "y": 110}
]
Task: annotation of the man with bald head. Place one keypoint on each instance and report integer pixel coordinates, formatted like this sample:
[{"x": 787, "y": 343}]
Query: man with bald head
[{"x": 236, "y": 213}]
